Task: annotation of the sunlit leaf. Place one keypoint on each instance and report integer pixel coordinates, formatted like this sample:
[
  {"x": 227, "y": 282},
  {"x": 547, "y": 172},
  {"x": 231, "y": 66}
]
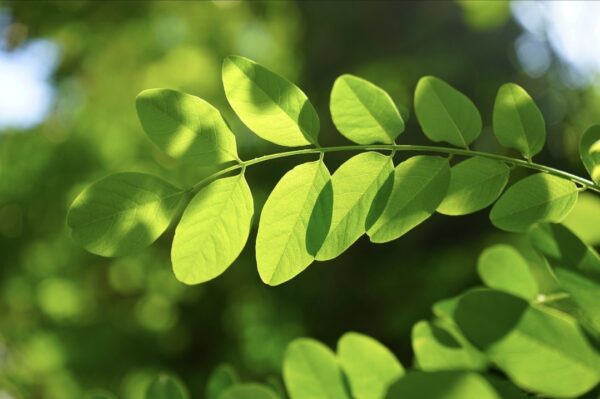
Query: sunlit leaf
[
  {"x": 294, "y": 222},
  {"x": 271, "y": 106},
  {"x": 213, "y": 230},
  {"x": 518, "y": 123},
  {"x": 369, "y": 366},
  {"x": 475, "y": 183},
  {"x": 589, "y": 151},
  {"x": 248, "y": 391},
  {"x": 585, "y": 217},
  {"x": 445, "y": 114},
  {"x": 166, "y": 387},
  {"x": 537, "y": 198},
  {"x": 355, "y": 185},
  {"x": 540, "y": 349},
  {"x": 123, "y": 213},
  {"x": 221, "y": 379},
  {"x": 503, "y": 268},
  {"x": 311, "y": 370},
  {"x": 364, "y": 113},
  {"x": 420, "y": 184}
]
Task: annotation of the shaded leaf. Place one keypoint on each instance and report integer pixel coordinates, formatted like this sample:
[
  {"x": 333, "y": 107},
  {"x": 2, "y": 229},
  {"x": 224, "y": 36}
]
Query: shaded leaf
[
  {"x": 420, "y": 184},
  {"x": 585, "y": 293},
  {"x": 589, "y": 151},
  {"x": 445, "y": 114},
  {"x": 537, "y": 198},
  {"x": 222, "y": 378},
  {"x": 166, "y": 387},
  {"x": 369, "y": 366},
  {"x": 123, "y": 213},
  {"x": 294, "y": 222},
  {"x": 475, "y": 183},
  {"x": 248, "y": 391},
  {"x": 271, "y": 106},
  {"x": 518, "y": 122},
  {"x": 363, "y": 112}
]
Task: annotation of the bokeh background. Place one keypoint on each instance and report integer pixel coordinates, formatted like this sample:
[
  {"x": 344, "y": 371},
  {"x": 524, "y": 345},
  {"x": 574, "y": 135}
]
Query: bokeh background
[{"x": 69, "y": 73}]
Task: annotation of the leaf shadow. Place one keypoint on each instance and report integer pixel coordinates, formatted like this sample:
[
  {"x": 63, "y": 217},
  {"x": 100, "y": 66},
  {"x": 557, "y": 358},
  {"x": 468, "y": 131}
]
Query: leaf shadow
[{"x": 320, "y": 220}]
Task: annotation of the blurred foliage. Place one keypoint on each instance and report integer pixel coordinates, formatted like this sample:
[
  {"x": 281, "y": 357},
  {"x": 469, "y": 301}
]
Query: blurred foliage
[{"x": 72, "y": 322}]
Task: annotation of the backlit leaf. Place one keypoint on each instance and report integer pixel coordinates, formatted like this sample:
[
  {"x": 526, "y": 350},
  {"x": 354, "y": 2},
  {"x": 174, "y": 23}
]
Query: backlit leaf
[
  {"x": 589, "y": 151},
  {"x": 123, "y": 213},
  {"x": 166, "y": 387}
]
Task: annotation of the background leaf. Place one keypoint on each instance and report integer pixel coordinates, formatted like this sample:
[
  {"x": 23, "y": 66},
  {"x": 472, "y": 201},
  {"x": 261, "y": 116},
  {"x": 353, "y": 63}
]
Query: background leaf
[
  {"x": 186, "y": 127},
  {"x": 518, "y": 122},
  {"x": 166, "y": 387},
  {"x": 248, "y": 391},
  {"x": 294, "y": 222},
  {"x": 589, "y": 151},
  {"x": 445, "y": 114},
  {"x": 363, "y": 112},
  {"x": 537, "y": 198},
  {"x": 272, "y": 107},
  {"x": 369, "y": 366},
  {"x": 221, "y": 378},
  {"x": 213, "y": 230},
  {"x": 355, "y": 184},
  {"x": 475, "y": 183},
  {"x": 123, "y": 213},
  {"x": 311, "y": 370},
  {"x": 584, "y": 293},
  {"x": 420, "y": 184}
]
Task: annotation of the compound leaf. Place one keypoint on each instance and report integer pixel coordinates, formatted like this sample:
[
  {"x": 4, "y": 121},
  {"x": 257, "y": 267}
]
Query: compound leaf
[
  {"x": 248, "y": 391},
  {"x": 166, "y": 387},
  {"x": 123, "y": 213},
  {"x": 271, "y": 106},
  {"x": 445, "y": 114},
  {"x": 294, "y": 222},
  {"x": 420, "y": 184},
  {"x": 355, "y": 184},
  {"x": 369, "y": 366},
  {"x": 475, "y": 183},
  {"x": 363, "y": 112},
  {"x": 537, "y": 198},
  {"x": 589, "y": 151},
  {"x": 518, "y": 123},
  {"x": 213, "y": 230},
  {"x": 311, "y": 370}
]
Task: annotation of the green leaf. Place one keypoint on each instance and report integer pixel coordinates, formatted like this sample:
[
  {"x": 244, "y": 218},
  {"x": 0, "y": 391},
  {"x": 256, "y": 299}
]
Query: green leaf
[
  {"x": 271, "y": 106},
  {"x": 420, "y": 184},
  {"x": 99, "y": 394},
  {"x": 445, "y": 114},
  {"x": 222, "y": 378},
  {"x": 439, "y": 345},
  {"x": 294, "y": 222},
  {"x": 355, "y": 185},
  {"x": 123, "y": 213},
  {"x": 213, "y": 230},
  {"x": 186, "y": 127},
  {"x": 311, "y": 370},
  {"x": 503, "y": 268},
  {"x": 537, "y": 198},
  {"x": 518, "y": 123},
  {"x": 166, "y": 387},
  {"x": 589, "y": 151},
  {"x": 364, "y": 113},
  {"x": 248, "y": 391},
  {"x": 562, "y": 248},
  {"x": 540, "y": 349},
  {"x": 584, "y": 218},
  {"x": 474, "y": 184},
  {"x": 443, "y": 385},
  {"x": 585, "y": 294},
  {"x": 369, "y": 366}
]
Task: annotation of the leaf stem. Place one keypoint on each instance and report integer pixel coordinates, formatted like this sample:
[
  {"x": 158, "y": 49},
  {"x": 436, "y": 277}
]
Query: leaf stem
[{"x": 587, "y": 184}]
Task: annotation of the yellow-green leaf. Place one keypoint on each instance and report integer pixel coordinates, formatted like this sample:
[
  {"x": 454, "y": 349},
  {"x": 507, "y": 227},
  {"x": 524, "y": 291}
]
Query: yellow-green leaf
[{"x": 589, "y": 151}]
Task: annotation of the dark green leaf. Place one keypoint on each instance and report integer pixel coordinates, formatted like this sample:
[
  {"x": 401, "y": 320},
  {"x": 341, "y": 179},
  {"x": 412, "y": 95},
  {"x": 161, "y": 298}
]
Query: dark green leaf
[
  {"x": 166, "y": 387},
  {"x": 222, "y": 378},
  {"x": 589, "y": 150}
]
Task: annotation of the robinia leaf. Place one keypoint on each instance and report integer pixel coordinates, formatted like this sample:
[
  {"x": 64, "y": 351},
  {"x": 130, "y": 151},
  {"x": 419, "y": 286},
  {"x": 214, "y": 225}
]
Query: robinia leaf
[
  {"x": 271, "y": 106},
  {"x": 363, "y": 112},
  {"x": 475, "y": 183},
  {"x": 355, "y": 184},
  {"x": 369, "y": 366},
  {"x": 213, "y": 230},
  {"x": 166, "y": 387},
  {"x": 420, "y": 184},
  {"x": 311, "y": 370},
  {"x": 537, "y": 198},
  {"x": 518, "y": 122},
  {"x": 584, "y": 293},
  {"x": 540, "y": 349},
  {"x": 584, "y": 218},
  {"x": 294, "y": 222},
  {"x": 503, "y": 268},
  {"x": 221, "y": 379},
  {"x": 443, "y": 385},
  {"x": 445, "y": 114},
  {"x": 589, "y": 151},
  {"x": 123, "y": 213},
  {"x": 248, "y": 391},
  {"x": 186, "y": 127}
]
